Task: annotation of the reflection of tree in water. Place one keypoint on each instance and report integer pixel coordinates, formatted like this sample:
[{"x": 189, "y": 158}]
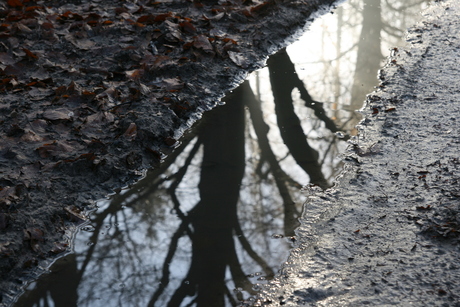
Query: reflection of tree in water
[
  {"x": 361, "y": 32},
  {"x": 202, "y": 223},
  {"x": 211, "y": 227}
]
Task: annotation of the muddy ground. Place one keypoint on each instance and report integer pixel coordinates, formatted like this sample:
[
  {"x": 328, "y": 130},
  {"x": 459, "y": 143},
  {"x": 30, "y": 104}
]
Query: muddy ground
[
  {"x": 388, "y": 233},
  {"x": 94, "y": 92}
]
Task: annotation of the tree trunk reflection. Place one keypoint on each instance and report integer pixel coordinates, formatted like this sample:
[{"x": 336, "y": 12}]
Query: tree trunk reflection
[
  {"x": 369, "y": 54},
  {"x": 284, "y": 79}
]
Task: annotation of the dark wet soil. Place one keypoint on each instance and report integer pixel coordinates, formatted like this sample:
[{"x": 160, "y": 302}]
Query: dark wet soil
[{"x": 94, "y": 92}]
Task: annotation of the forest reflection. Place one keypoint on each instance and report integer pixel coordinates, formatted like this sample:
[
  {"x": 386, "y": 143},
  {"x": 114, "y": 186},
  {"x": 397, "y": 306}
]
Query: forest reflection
[{"x": 217, "y": 218}]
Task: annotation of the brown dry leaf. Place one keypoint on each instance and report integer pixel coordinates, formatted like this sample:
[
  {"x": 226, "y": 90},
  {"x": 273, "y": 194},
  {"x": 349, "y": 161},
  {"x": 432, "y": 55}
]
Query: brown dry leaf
[
  {"x": 47, "y": 26},
  {"x": 170, "y": 141},
  {"x": 163, "y": 17},
  {"x": 146, "y": 19},
  {"x": 161, "y": 61},
  {"x": 188, "y": 27},
  {"x": 30, "y": 54},
  {"x": 135, "y": 74},
  {"x": 15, "y": 3}
]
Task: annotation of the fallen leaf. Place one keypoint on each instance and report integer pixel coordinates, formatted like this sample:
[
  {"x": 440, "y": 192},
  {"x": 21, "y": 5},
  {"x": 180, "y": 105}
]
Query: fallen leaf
[
  {"x": 202, "y": 42},
  {"x": 135, "y": 74},
  {"x": 15, "y": 3},
  {"x": 239, "y": 59},
  {"x": 35, "y": 234},
  {"x": 57, "y": 114},
  {"x": 170, "y": 141},
  {"x": 82, "y": 43},
  {"x": 188, "y": 27},
  {"x": 30, "y": 54},
  {"x": 59, "y": 248},
  {"x": 55, "y": 149},
  {"x": 173, "y": 34},
  {"x": 131, "y": 132},
  {"x": 172, "y": 84},
  {"x": 75, "y": 214},
  {"x": 37, "y": 94},
  {"x": 31, "y": 136},
  {"x": 7, "y": 195},
  {"x": 146, "y": 19},
  {"x": 6, "y": 59},
  {"x": 100, "y": 117}
]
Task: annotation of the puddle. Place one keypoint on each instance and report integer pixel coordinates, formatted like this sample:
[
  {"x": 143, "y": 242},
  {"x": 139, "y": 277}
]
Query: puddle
[{"x": 217, "y": 219}]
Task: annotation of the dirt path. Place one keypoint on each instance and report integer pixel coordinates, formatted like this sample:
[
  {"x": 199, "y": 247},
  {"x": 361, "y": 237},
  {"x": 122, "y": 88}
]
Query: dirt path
[
  {"x": 93, "y": 93},
  {"x": 388, "y": 233}
]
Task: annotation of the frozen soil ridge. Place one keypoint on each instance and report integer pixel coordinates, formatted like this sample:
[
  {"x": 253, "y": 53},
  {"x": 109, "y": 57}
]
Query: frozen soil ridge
[{"x": 388, "y": 233}]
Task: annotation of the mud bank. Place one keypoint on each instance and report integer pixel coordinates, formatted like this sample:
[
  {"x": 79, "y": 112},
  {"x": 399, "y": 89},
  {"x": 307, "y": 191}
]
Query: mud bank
[
  {"x": 93, "y": 93},
  {"x": 388, "y": 232}
]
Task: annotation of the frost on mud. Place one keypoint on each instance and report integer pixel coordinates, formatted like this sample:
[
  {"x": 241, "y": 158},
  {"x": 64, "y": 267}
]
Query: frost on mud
[{"x": 387, "y": 233}]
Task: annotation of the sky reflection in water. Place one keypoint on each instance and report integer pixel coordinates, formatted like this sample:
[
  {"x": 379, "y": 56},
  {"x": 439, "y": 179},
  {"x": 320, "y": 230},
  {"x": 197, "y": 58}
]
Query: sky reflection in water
[{"x": 218, "y": 217}]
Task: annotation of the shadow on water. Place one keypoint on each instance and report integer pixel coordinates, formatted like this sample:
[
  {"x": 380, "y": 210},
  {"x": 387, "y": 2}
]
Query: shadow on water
[{"x": 217, "y": 218}]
